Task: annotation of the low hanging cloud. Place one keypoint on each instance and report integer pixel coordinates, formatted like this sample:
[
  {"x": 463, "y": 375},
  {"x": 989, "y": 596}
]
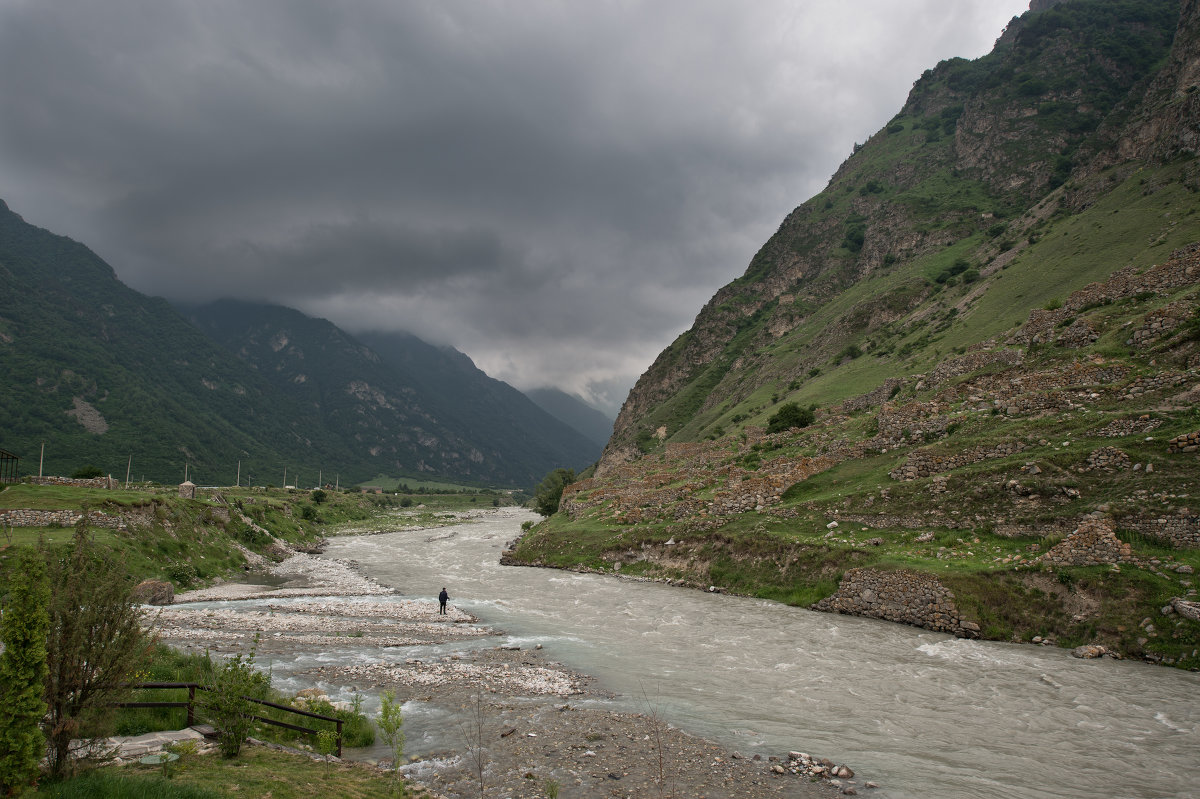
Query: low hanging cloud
[{"x": 554, "y": 188}]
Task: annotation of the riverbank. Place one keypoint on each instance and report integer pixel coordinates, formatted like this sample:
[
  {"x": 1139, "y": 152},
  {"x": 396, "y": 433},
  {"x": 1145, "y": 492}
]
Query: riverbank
[{"x": 524, "y": 721}]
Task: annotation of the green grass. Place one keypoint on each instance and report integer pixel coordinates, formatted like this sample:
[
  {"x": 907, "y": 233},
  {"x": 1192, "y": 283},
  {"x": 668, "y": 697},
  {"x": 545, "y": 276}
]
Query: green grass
[
  {"x": 110, "y": 784},
  {"x": 257, "y": 773},
  {"x": 53, "y": 497}
]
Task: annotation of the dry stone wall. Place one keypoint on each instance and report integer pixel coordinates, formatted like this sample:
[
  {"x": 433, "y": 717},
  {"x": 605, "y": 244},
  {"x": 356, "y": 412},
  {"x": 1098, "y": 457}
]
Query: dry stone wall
[
  {"x": 17, "y": 517},
  {"x": 1188, "y": 442},
  {"x": 974, "y": 361},
  {"x": 1094, "y": 543},
  {"x": 1181, "y": 530},
  {"x": 1161, "y": 322},
  {"x": 903, "y": 596},
  {"x": 1106, "y": 459},
  {"x": 873, "y": 399},
  {"x": 926, "y": 464},
  {"x": 1180, "y": 271},
  {"x": 96, "y": 482}
]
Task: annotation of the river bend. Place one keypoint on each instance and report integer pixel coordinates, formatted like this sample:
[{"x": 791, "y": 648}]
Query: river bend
[{"x": 921, "y": 713}]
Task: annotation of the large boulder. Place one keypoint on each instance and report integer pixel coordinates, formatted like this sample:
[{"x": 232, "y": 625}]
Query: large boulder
[{"x": 154, "y": 592}]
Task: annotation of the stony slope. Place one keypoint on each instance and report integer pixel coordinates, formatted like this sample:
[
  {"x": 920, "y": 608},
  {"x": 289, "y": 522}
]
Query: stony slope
[{"x": 993, "y": 311}]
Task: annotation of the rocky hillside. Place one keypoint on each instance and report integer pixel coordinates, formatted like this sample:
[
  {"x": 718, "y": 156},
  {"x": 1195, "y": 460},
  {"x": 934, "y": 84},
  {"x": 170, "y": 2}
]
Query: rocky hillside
[
  {"x": 934, "y": 213},
  {"x": 993, "y": 312}
]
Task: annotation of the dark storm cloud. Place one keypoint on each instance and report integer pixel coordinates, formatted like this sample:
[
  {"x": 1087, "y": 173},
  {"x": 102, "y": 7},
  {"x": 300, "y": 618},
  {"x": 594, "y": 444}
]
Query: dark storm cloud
[{"x": 555, "y": 188}]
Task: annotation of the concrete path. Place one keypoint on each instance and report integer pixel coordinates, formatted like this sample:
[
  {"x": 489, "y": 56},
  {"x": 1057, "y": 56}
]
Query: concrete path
[{"x": 131, "y": 747}]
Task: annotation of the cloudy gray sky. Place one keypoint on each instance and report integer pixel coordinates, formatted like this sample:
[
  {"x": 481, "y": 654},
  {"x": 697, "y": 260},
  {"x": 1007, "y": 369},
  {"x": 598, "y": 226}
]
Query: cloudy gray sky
[{"x": 553, "y": 187}]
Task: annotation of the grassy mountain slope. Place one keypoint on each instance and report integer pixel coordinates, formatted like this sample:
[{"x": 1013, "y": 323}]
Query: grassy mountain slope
[
  {"x": 105, "y": 376},
  {"x": 973, "y": 309},
  {"x": 399, "y": 403},
  {"x": 100, "y": 373},
  {"x": 965, "y": 179}
]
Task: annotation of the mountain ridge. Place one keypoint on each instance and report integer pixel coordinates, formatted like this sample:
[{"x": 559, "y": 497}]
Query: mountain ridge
[
  {"x": 107, "y": 377},
  {"x": 992, "y": 313}
]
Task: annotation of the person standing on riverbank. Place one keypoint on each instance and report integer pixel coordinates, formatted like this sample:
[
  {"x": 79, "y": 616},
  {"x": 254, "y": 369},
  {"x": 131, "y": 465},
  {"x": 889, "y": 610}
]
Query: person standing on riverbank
[{"x": 442, "y": 597}]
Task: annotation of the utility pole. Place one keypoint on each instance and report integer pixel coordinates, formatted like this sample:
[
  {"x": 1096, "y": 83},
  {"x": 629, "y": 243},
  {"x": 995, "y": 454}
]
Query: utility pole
[
  {"x": 41, "y": 458},
  {"x": 285, "y": 477},
  {"x": 239, "y": 477},
  {"x": 128, "y": 466}
]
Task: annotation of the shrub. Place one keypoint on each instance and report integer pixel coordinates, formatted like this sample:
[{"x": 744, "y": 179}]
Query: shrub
[
  {"x": 86, "y": 473},
  {"x": 95, "y": 644},
  {"x": 227, "y": 704},
  {"x": 549, "y": 492},
  {"x": 182, "y": 573},
  {"x": 788, "y": 416},
  {"x": 391, "y": 723},
  {"x": 23, "y": 630}
]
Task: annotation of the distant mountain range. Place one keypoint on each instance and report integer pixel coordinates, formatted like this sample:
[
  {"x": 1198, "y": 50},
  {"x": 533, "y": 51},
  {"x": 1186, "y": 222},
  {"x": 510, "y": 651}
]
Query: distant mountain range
[
  {"x": 574, "y": 412},
  {"x": 102, "y": 375}
]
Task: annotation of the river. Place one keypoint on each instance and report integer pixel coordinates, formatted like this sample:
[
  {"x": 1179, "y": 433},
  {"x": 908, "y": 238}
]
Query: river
[{"x": 922, "y": 714}]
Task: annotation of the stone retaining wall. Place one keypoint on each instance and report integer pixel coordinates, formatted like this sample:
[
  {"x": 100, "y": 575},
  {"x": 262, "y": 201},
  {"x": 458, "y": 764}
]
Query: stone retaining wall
[
  {"x": 1181, "y": 531},
  {"x": 1160, "y": 323},
  {"x": 903, "y": 596},
  {"x": 874, "y": 398},
  {"x": 974, "y": 361},
  {"x": 17, "y": 517},
  {"x": 1094, "y": 543},
  {"x": 1151, "y": 383},
  {"x": 95, "y": 482},
  {"x": 1188, "y": 442},
  {"x": 1183, "y": 269},
  {"x": 1106, "y": 459},
  {"x": 926, "y": 464}
]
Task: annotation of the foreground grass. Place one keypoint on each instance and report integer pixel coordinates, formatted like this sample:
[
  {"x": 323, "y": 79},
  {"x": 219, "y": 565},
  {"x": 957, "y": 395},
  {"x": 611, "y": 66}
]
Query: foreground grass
[{"x": 258, "y": 773}]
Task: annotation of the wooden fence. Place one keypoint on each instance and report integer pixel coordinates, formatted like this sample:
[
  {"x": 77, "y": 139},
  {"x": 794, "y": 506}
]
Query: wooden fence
[{"x": 190, "y": 704}]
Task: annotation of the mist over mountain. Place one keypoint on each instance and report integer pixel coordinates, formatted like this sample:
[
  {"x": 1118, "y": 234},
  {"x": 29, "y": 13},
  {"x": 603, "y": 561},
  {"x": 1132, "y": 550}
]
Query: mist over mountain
[
  {"x": 572, "y": 410},
  {"x": 104, "y": 376}
]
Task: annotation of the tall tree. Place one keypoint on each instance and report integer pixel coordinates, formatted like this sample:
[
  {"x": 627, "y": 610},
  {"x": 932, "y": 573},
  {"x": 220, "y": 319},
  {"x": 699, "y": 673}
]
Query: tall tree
[
  {"x": 95, "y": 644},
  {"x": 23, "y": 628}
]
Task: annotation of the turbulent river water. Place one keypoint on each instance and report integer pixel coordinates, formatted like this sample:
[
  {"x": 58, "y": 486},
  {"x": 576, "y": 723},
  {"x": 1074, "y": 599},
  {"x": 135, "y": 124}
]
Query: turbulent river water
[{"x": 922, "y": 714}]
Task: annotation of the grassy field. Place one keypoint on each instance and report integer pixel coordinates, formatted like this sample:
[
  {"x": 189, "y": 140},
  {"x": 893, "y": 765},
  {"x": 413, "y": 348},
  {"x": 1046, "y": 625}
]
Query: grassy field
[
  {"x": 258, "y": 773},
  {"x": 191, "y": 542}
]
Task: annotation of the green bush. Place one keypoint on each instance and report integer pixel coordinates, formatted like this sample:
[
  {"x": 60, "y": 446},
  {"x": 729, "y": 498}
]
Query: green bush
[
  {"x": 23, "y": 629},
  {"x": 788, "y": 416},
  {"x": 227, "y": 705}
]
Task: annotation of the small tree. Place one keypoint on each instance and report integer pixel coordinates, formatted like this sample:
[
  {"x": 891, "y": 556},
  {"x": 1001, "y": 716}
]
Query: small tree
[
  {"x": 788, "y": 416},
  {"x": 391, "y": 722},
  {"x": 227, "y": 702},
  {"x": 549, "y": 492},
  {"x": 23, "y": 630},
  {"x": 95, "y": 643}
]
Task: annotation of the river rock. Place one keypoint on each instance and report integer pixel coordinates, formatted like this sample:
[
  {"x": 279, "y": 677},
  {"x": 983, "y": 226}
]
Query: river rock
[
  {"x": 153, "y": 592},
  {"x": 1089, "y": 651}
]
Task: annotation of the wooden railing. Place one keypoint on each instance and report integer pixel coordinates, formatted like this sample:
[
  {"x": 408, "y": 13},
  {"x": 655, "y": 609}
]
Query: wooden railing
[{"x": 190, "y": 704}]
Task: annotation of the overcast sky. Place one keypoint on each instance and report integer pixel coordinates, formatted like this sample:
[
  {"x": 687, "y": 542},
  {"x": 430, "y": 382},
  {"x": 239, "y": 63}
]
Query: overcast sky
[{"x": 553, "y": 188}]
